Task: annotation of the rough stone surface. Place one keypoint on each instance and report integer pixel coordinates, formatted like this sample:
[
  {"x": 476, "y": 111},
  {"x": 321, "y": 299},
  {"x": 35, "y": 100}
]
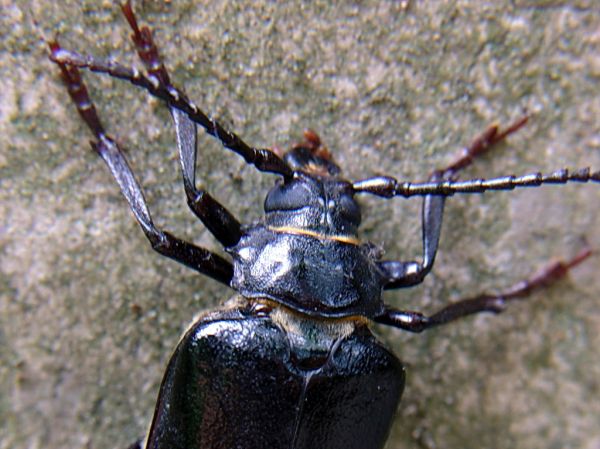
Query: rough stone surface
[{"x": 89, "y": 314}]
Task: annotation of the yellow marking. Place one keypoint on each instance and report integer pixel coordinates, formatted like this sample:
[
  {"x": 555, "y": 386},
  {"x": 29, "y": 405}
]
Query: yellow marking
[
  {"x": 306, "y": 232},
  {"x": 326, "y": 320}
]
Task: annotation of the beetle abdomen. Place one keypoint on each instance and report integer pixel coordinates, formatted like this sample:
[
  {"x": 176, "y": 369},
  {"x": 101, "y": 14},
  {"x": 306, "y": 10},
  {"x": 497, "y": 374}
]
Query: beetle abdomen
[{"x": 238, "y": 379}]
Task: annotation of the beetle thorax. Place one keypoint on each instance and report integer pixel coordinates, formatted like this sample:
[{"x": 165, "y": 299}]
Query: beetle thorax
[{"x": 306, "y": 254}]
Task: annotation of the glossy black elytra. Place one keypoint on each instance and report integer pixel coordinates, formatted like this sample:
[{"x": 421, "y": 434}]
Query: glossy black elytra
[{"x": 289, "y": 362}]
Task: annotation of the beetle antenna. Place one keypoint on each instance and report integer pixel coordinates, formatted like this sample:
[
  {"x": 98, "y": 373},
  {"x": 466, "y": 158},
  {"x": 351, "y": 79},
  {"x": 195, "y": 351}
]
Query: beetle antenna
[
  {"x": 388, "y": 187},
  {"x": 157, "y": 83}
]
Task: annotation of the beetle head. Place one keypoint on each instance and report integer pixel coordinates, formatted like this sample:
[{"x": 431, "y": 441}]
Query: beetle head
[{"x": 315, "y": 200}]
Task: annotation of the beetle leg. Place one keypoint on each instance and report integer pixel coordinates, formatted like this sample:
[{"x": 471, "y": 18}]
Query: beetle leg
[
  {"x": 157, "y": 83},
  {"x": 163, "y": 242},
  {"x": 404, "y": 274},
  {"x": 485, "y": 302},
  {"x": 221, "y": 223}
]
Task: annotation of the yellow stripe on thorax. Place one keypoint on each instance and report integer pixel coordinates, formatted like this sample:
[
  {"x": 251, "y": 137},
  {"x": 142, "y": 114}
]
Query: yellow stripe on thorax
[{"x": 297, "y": 231}]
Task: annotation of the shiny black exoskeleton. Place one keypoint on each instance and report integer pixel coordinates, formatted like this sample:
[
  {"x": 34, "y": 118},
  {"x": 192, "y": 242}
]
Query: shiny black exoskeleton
[
  {"x": 253, "y": 376},
  {"x": 306, "y": 253},
  {"x": 289, "y": 362}
]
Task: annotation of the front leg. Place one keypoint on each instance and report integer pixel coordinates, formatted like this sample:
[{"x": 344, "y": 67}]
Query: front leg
[{"x": 405, "y": 274}]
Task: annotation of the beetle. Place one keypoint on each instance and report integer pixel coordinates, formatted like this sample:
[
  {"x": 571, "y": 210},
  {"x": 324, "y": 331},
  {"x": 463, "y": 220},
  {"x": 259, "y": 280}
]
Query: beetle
[{"x": 289, "y": 361}]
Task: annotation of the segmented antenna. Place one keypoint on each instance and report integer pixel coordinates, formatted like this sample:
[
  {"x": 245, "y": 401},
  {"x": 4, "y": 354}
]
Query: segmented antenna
[{"x": 388, "y": 187}]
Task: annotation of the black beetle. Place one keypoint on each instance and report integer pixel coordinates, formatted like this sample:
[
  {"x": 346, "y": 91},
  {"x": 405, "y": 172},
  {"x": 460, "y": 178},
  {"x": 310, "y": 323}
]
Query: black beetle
[{"x": 290, "y": 362}]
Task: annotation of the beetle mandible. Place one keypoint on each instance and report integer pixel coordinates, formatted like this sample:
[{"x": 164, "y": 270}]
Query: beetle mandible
[{"x": 289, "y": 361}]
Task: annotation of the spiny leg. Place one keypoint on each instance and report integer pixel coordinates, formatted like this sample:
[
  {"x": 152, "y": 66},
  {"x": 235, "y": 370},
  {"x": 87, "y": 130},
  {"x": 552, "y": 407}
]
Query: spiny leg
[
  {"x": 486, "y": 302},
  {"x": 404, "y": 274},
  {"x": 219, "y": 221},
  {"x": 163, "y": 242},
  {"x": 262, "y": 158}
]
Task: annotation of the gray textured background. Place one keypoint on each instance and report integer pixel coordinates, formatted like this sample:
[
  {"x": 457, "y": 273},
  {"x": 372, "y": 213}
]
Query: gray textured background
[{"x": 89, "y": 314}]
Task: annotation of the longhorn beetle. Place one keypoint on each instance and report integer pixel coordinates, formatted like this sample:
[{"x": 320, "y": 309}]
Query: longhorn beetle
[{"x": 289, "y": 361}]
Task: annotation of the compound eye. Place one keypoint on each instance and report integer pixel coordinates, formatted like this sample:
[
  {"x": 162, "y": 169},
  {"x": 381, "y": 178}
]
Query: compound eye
[
  {"x": 290, "y": 196},
  {"x": 349, "y": 210}
]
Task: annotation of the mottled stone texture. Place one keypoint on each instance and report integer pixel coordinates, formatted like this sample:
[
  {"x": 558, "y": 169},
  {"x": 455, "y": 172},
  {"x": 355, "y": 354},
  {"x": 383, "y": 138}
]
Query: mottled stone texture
[{"x": 89, "y": 314}]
